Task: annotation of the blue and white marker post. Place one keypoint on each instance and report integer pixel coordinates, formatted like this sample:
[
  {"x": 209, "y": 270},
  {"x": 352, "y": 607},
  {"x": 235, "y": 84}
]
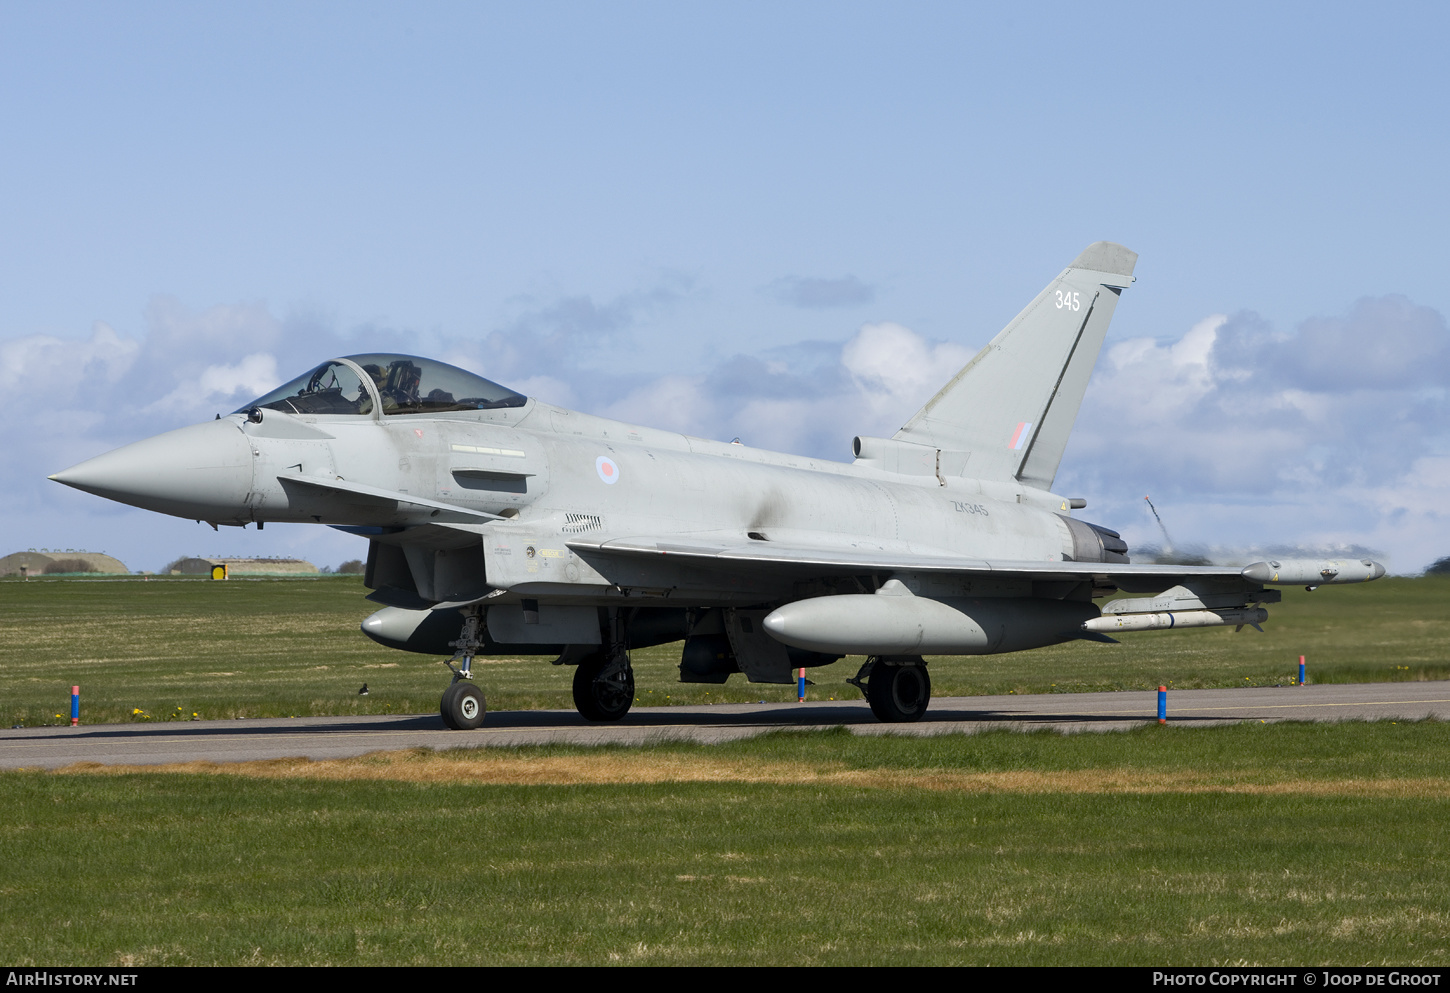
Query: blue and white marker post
[
  {"x": 801, "y": 686},
  {"x": 1162, "y": 705},
  {"x": 75, "y": 706},
  {"x": 1301, "y": 670}
]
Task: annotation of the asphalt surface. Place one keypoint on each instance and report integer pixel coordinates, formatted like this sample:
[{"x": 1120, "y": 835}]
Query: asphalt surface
[{"x": 341, "y": 737}]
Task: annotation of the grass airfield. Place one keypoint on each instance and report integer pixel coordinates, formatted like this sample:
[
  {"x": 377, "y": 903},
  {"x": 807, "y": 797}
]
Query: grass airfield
[
  {"x": 1276, "y": 844},
  {"x": 1253, "y": 843}
]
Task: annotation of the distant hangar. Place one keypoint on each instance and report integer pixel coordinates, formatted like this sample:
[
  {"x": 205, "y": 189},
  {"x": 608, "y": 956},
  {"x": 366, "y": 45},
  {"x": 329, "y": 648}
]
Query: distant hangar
[
  {"x": 54, "y": 562},
  {"x": 51, "y": 562},
  {"x": 243, "y": 567}
]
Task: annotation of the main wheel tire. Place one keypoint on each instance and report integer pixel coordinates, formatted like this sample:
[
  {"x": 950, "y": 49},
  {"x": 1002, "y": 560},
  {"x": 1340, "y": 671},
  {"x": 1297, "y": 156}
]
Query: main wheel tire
[
  {"x": 601, "y": 696},
  {"x": 463, "y": 707},
  {"x": 898, "y": 694}
]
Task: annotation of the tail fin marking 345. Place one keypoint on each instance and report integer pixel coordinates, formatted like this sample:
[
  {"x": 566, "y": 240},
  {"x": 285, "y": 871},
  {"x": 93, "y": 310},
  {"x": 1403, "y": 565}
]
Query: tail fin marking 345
[{"x": 1010, "y": 410}]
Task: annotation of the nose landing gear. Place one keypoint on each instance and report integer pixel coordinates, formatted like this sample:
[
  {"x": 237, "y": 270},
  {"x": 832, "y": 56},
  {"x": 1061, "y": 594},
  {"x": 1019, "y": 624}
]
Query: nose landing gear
[{"x": 463, "y": 706}]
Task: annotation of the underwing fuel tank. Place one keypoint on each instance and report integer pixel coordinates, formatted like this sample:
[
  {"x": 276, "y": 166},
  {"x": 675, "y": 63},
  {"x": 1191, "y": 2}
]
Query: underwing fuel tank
[{"x": 894, "y": 622}]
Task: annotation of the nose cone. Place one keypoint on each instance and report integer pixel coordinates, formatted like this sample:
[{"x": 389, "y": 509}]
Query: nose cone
[{"x": 203, "y": 472}]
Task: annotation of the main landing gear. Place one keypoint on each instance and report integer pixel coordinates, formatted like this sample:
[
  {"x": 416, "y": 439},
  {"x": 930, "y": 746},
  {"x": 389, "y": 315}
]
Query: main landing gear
[
  {"x": 463, "y": 706},
  {"x": 897, "y": 687},
  {"x": 604, "y": 685}
]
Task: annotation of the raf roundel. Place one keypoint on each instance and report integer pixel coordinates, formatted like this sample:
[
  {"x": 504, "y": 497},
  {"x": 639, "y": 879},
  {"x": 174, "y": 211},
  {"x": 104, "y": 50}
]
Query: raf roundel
[{"x": 608, "y": 471}]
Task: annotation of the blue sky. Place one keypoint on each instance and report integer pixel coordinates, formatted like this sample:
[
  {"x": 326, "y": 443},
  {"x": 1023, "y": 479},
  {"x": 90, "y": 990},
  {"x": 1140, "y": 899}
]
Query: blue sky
[{"x": 782, "y": 221}]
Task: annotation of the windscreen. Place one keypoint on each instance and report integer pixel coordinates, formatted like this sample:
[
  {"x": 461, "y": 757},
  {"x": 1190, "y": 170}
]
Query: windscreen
[{"x": 331, "y": 388}]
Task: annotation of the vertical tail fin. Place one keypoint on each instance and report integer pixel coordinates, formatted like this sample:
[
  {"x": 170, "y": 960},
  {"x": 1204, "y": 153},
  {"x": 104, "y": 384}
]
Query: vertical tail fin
[{"x": 1010, "y": 410}]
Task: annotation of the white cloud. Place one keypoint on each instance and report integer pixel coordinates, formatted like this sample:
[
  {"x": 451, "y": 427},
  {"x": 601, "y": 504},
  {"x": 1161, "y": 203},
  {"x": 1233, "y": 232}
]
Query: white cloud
[
  {"x": 1421, "y": 491},
  {"x": 549, "y": 389},
  {"x": 810, "y": 400},
  {"x": 254, "y": 375},
  {"x": 677, "y": 403},
  {"x": 225, "y": 385},
  {"x": 43, "y": 365},
  {"x": 1245, "y": 435},
  {"x": 892, "y": 365}
]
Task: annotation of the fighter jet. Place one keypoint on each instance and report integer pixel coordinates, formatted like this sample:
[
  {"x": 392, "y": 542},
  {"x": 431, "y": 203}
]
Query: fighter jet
[{"x": 499, "y": 524}]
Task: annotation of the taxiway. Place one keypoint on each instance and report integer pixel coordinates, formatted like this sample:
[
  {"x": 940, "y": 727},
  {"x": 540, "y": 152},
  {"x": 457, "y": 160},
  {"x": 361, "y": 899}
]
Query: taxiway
[{"x": 341, "y": 737}]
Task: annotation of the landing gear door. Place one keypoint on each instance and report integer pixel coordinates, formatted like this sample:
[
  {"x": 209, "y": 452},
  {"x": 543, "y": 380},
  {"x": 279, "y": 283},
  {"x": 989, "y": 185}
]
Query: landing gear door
[{"x": 760, "y": 657}]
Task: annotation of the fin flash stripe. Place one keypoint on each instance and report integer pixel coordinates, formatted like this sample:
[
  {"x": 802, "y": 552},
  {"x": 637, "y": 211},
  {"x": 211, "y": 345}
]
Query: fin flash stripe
[{"x": 1019, "y": 437}]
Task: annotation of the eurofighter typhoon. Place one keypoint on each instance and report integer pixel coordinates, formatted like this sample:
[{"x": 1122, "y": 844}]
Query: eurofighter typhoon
[{"x": 498, "y": 524}]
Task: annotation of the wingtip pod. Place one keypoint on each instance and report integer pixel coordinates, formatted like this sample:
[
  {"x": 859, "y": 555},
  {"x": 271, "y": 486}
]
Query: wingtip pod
[{"x": 1314, "y": 572}]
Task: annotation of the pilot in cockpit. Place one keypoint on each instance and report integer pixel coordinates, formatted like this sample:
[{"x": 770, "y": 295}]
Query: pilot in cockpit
[{"x": 380, "y": 379}]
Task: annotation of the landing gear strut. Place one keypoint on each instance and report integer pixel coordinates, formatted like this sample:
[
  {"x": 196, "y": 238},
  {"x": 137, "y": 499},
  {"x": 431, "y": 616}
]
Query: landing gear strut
[
  {"x": 604, "y": 685},
  {"x": 898, "y": 689},
  {"x": 462, "y": 706}
]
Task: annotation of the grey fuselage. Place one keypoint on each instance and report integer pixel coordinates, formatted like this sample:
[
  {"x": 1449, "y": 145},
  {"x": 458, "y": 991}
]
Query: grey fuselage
[{"x": 540, "y": 468}]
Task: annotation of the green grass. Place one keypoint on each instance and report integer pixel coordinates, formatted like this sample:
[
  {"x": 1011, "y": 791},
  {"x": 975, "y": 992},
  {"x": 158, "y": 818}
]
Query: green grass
[
  {"x": 157, "y": 868},
  {"x": 276, "y": 647}
]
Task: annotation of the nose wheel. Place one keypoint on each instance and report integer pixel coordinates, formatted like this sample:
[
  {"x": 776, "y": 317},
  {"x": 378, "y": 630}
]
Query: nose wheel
[{"x": 463, "y": 706}]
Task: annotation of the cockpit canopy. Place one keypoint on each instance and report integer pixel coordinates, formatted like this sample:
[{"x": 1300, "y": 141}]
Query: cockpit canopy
[{"x": 396, "y": 384}]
